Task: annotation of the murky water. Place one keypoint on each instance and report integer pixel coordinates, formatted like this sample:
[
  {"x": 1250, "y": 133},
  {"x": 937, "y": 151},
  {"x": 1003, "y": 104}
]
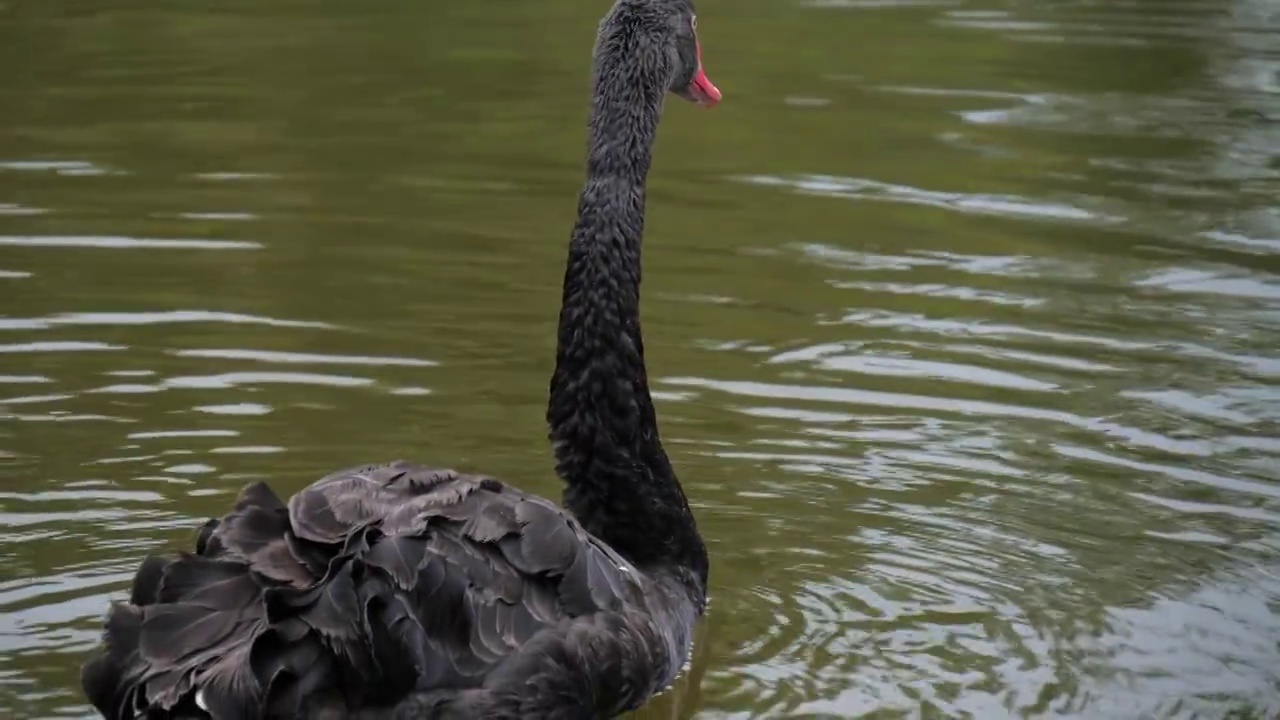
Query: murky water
[{"x": 964, "y": 319}]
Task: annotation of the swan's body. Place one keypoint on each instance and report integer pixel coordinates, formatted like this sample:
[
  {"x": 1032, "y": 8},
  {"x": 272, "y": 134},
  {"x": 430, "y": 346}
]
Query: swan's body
[
  {"x": 402, "y": 591},
  {"x": 394, "y": 577}
]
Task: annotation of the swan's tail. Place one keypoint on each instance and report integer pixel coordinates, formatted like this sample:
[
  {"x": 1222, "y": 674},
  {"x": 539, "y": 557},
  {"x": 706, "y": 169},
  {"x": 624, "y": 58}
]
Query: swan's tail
[
  {"x": 189, "y": 625},
  {"x": 183, "y": 645}
]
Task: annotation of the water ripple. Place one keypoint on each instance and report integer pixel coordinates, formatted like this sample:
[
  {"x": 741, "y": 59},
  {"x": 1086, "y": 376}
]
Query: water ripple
[
  {"x": 867, "y": 189},
  {"x": 152, "y": 318},
  {"x": 949, "y": 406},
  {"x": 269, "y": 356},
  {"x": 123, "y": 243},
  {"x": 232, "y": 379},
  {"x": 57, "y": 346}
]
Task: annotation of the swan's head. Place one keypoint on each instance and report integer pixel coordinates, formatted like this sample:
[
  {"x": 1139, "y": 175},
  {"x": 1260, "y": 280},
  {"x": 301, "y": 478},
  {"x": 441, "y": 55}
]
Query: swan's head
[{"x": 659, "y": 37}]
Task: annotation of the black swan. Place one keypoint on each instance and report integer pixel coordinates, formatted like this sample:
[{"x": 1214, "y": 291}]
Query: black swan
[{"x": 402, "y": 591}]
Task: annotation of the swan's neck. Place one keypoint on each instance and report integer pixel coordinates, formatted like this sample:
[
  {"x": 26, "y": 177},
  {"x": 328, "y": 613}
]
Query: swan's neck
[{"x": 620, "y": 484}]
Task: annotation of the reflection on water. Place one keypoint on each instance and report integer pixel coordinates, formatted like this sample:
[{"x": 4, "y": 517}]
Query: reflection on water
[{"x": 962, "y": 320}]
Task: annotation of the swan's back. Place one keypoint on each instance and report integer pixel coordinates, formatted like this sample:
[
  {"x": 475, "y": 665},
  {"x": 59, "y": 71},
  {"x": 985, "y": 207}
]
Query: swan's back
[{"x": 388, "y": 582}]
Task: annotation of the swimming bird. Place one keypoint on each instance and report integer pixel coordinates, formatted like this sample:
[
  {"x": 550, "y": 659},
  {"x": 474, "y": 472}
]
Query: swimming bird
[{"x": 398, "y": 590}]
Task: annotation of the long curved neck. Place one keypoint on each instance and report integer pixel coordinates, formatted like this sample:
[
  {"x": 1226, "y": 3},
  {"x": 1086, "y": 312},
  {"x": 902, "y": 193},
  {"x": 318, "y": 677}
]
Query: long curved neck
[{"x": 619, "y": 482}]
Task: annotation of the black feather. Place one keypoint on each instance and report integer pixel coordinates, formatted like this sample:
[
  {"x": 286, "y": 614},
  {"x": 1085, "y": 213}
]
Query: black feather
[
  {"x": 172, "y": 632},
  {"x": 331, "y": 608},
  {"x": 205, "y": 542},
  {"x": 400, "y": 557},
  {"x": 213, "y": 584},
  {"x": 146, "y": 583}
]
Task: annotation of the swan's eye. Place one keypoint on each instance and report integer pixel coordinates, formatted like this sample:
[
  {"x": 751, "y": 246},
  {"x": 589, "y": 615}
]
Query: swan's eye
[{"x": 693, "y": 23}]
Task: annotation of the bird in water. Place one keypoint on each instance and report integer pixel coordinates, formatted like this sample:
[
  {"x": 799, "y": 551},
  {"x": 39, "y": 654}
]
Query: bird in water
[{"x": 403, "y": 591}]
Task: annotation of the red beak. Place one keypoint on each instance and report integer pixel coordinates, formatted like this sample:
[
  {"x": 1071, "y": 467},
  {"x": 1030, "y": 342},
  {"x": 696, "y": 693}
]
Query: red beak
[{"x": 704, "y": 91}]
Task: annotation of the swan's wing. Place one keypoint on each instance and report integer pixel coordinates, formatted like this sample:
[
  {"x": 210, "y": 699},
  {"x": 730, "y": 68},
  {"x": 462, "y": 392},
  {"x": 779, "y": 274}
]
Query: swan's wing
[
  {"x": 369, "y": 583},
  {"x": 460, "y": 569},
  {"x": 401, "y": 518}
]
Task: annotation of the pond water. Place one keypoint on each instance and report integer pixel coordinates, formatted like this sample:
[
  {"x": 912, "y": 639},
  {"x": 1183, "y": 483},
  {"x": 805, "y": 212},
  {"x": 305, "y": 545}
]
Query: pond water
[{"x": 963, "y": 318}]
